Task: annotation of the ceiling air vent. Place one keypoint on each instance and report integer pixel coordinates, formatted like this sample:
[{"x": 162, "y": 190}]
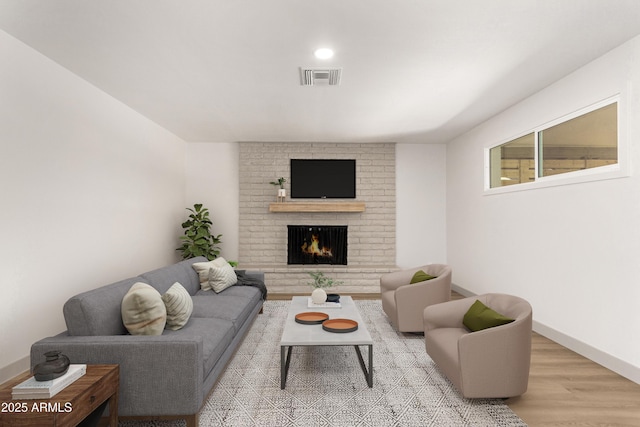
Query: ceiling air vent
[{"x": 320, "y": 76}]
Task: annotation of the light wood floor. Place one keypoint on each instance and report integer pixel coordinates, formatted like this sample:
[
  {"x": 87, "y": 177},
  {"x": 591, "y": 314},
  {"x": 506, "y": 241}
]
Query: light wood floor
[{"x": 566, "y": 389}]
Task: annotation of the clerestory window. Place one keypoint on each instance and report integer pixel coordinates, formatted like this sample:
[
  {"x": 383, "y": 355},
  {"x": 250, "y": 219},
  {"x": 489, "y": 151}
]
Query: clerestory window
[{"x": 581, "y": 142}]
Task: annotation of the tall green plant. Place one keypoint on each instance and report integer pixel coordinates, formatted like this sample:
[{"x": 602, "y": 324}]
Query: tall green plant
[{"x": 197, "y": 239}]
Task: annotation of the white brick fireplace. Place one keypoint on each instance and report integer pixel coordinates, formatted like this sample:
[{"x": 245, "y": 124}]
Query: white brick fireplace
[{"x": 372, "y": 233}]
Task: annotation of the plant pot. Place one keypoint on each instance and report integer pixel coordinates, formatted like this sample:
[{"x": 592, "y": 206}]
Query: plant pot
[
  {"x": 318, "y": 296},
  {"x": 282, "y": 194}
]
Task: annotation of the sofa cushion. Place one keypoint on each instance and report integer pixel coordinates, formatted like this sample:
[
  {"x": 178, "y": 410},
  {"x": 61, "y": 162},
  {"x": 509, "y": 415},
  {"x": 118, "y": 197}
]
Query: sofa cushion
[
  {"x": 179, "y": 306},
  {"x": 216, "y": 335},
  {"x": 480, "y": 317},
  {"x": 235, "y": 309},
  {"x": 143, "y": 311},
  {"x": 98, "y": 311},
  {"x": 251, "y": 293}
]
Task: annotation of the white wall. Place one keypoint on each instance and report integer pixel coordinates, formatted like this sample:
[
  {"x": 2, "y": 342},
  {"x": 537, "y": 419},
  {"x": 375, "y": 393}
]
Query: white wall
[
  {"x": 420, "y": 204},
  {"x": 213, "y": 180},
  {"x": 91, "y": 192},
  {"x": 573, "y": 251}
]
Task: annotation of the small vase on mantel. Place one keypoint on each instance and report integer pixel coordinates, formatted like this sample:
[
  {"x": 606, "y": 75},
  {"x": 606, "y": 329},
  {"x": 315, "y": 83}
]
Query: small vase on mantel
[
  {"x": 318, "y": 296},
  {"x": 282, "y": 194}
]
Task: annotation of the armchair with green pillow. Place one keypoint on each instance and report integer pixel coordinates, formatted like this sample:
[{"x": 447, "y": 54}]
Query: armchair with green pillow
[
  {"x": 481, "y": 344},
  {"x": 406, "y": 293}
]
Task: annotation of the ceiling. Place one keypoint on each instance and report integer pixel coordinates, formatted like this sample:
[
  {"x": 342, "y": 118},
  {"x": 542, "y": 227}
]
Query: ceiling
[{"x": 419, "y": 71}]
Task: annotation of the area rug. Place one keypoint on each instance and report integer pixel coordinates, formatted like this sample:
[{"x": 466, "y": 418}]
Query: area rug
[{"x": 326, "y": 386}]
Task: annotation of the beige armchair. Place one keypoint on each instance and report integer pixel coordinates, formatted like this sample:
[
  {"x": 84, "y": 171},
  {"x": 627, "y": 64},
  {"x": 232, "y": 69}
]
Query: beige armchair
[
  {"x": 491, "y": 363},
  {"x": 404, "y": 302}
]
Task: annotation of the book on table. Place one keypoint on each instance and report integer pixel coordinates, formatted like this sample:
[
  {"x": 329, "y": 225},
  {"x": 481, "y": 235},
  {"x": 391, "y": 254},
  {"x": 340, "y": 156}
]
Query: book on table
[
  {"x": 32, "y": 389},
  {"x": 326, "y": 304}
]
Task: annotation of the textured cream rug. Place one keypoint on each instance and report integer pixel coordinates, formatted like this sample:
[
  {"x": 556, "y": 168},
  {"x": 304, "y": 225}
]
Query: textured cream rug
[{"x": 326, "y": 386}]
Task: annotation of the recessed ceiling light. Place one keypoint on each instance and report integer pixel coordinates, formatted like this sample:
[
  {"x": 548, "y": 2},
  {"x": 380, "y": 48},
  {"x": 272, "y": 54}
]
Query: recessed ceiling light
[{"x": 323, "y": 53}]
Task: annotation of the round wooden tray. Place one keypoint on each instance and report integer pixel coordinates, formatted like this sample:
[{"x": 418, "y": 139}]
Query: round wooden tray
[
  {"x": 311, "y": 317},
  {"x": 340, "y": 325}
]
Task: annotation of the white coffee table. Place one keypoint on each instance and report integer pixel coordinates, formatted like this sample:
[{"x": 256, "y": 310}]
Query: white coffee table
[{"x": 296, "y": 334}]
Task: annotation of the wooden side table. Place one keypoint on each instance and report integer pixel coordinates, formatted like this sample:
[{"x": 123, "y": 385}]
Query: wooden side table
[{"x": 67, "y": 408}]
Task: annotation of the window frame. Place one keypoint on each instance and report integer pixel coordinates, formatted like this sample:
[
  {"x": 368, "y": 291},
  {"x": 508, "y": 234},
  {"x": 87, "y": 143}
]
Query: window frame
[{"x": 617, "y": 170}]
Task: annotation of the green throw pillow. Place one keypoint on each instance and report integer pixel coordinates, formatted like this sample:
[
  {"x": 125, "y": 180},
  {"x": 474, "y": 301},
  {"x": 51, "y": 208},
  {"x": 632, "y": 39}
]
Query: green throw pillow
[
  {"x": 421, "y": 276},
  {"x": 480, "y": 317}
]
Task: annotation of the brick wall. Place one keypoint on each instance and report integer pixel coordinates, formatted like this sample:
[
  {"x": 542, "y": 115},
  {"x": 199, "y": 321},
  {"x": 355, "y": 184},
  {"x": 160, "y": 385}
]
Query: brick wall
[{"x": 372, "y": 233}]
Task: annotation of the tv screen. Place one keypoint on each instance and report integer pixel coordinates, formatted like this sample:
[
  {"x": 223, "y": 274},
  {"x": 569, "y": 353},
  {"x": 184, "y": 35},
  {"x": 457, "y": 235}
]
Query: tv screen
[{"x": 323, "y": 179}]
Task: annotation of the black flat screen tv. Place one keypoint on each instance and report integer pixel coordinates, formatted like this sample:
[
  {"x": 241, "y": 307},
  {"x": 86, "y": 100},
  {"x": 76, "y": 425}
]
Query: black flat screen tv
[{"x": 323, "y": 179}]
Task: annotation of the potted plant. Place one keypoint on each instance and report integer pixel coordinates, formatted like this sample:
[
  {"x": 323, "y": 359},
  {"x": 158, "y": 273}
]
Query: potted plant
[
  {"x": 320, "y": 283},
  {"x": 197, "y": 239},
  {"x": 282, "y": 193}
]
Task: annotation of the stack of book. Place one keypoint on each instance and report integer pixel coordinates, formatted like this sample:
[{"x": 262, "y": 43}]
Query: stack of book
[
  {"x": 32, "y": 389},
  {"x": 326, "y": 304}
]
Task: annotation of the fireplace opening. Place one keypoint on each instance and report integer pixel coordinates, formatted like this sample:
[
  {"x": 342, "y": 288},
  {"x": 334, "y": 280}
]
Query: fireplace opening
[{"x": 317, "y": 244}]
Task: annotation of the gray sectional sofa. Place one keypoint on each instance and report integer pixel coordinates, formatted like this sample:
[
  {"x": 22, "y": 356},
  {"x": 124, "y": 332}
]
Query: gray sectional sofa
[{"x": 168, "y": 375}]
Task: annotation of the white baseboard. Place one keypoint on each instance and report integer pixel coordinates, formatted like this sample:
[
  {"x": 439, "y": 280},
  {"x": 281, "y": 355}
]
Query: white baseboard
[
  {"x": 16, "y": 368},
  {"x": 598, "y": 356},
  {"x": 462, "y": 291}
]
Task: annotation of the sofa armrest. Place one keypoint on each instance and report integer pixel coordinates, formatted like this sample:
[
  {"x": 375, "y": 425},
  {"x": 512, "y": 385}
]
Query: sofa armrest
[
  {"x": 145, "y": 387},
  {"x": 498, "y": 358}
]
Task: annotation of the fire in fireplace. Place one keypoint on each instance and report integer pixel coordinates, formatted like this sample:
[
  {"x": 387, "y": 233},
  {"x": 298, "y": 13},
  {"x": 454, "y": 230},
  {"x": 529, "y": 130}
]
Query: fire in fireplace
[{"x": 317, "y": 244}]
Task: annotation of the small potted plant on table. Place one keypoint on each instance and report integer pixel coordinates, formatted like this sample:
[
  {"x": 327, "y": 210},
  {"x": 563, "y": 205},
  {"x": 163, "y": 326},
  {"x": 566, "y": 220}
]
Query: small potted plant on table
[{"x": 320, "y": 283}]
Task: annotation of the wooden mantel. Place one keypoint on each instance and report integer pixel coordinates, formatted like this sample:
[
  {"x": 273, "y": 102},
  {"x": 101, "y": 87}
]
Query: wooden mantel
[{"x": 317, "y": 207}]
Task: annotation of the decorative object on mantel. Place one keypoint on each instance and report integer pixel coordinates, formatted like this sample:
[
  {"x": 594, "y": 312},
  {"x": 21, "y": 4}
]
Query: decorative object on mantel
[
  {"x": 55, "y": 365},
  {"x": 320, "y": 282},
  {"x": 282, "y": 192},
  {"x": 197, "y": 239}
]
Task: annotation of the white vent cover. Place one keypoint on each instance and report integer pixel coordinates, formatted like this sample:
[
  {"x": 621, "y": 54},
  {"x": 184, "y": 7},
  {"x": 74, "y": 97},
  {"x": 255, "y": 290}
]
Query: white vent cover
[{"x": 320, "y": 76}]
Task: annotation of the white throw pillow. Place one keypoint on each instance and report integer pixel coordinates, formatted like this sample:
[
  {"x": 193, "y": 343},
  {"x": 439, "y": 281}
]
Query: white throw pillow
[
  {"x": 179, "y": 306},
  {"x": 202, "y": 268},
  {"x": 220, "y": 278},
  {"x": 143, "y": 311}
]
